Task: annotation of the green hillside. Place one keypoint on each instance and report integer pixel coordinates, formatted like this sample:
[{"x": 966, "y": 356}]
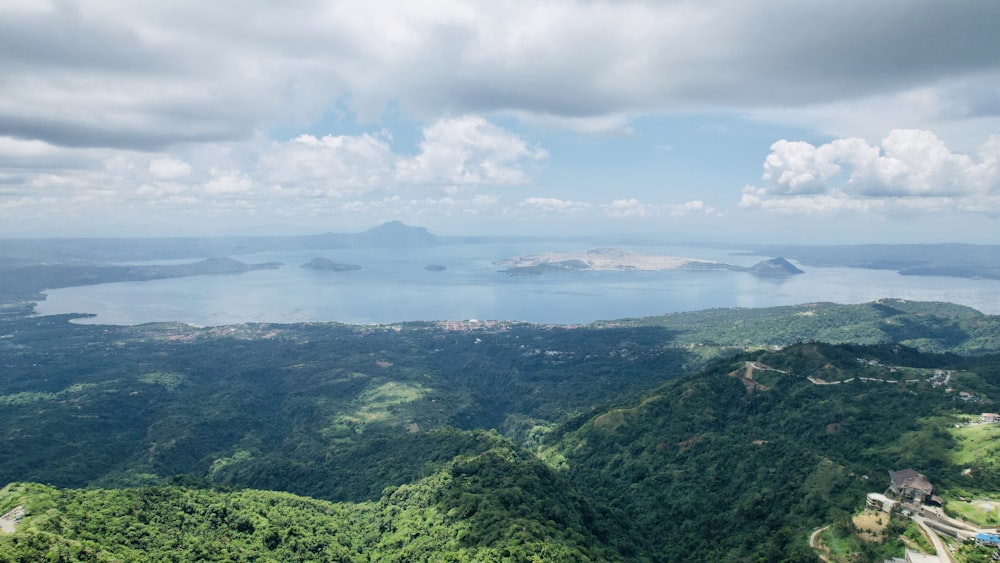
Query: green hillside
[
  {"x": 485, "y": 441},
  {"x": 498, "y": 505},
  {"x": 759, "y": 462},
  {"x": 928, "y": 326}
]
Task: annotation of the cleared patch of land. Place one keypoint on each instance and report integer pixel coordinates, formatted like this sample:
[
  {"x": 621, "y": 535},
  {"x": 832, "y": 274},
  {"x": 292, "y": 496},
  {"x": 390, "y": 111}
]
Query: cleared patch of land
[
  {"x": 871, "y": 524},
  {"x": 978, "y": 442}
]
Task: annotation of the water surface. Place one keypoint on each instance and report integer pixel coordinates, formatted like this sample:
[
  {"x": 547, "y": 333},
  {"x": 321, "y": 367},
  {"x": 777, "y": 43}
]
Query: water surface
[{"x": 394, "y": 286}]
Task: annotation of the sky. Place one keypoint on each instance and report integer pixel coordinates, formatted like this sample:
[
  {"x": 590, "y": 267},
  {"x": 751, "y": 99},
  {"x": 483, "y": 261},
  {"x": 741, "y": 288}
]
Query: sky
[{"x": 841, "y": 121}]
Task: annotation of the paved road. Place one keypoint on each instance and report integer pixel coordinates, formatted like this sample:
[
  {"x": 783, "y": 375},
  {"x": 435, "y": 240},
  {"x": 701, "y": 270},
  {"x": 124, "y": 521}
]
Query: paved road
[
  {"x": 942, "y": 550},
  {"x": 953, "y": 522}
]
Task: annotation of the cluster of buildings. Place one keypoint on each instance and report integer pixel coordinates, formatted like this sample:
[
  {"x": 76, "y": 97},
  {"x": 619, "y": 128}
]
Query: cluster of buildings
[{"x": 911, "y": 487}]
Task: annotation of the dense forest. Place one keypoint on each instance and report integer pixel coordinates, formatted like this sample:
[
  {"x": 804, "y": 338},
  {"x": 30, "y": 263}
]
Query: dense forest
[{"x": 723, "y": 435}]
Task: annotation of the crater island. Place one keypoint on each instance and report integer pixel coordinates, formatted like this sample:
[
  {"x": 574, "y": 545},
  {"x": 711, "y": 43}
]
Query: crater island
[{"x": 625, "y": 260}]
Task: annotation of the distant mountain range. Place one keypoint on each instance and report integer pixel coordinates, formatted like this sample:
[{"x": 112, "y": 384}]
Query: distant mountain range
[
  {"x": 954, "y": 260},
  {"x": 393, "y": 234}
]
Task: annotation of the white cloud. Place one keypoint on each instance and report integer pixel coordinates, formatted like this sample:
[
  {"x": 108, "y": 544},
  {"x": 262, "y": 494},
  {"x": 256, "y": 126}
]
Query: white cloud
[
  {"x": 396, "y": 206},
  {"x": 169, "y": 168},
  {"x": 619, "y": 209},
  {"x": 330, "y": 165},
  {"x": 469, "y": 150},
  {"x": 629, "y": 208},
  {"x": 957, "y": 109},
  {"x": 634, "y": 208},
  {"x": 551, "y": 204},
  {"x": 911, "y": 170},
  {"x": 22, "y": 202},
  {"x": 694, "y": 207},
  {"x": 228, "y": 182},
  {"x": 306, "y": 174},
  {"x": 40, "y": 157},
  {"x": 484, "y": 200},
  {"x": 11, "y": 147}
]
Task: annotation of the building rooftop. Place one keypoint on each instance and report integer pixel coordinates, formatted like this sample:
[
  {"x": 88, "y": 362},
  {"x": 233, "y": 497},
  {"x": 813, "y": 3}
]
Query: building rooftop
[{"x": 910, "y": 479}]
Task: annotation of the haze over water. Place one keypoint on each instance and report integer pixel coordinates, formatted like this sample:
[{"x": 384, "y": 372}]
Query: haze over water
[{"x": 394, "y": 286}]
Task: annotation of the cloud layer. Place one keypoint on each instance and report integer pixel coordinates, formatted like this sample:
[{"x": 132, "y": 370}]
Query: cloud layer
[
  {"x": 119, "y": 109},
  {"x": 304, "y": 171},
  {"x": 144, "y": 76}
]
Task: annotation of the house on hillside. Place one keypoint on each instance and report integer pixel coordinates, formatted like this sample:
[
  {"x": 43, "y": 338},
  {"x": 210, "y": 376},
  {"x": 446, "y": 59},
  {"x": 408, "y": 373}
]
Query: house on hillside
[
  {"x": 877, "y": 501},
  {"x": 988, "y": 540},
  {"x": 989, "y": 417},
  {"x": 911, "y": 486}
]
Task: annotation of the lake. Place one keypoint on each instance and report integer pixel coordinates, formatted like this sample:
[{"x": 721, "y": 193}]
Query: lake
[{"x": 394, "y": 286}]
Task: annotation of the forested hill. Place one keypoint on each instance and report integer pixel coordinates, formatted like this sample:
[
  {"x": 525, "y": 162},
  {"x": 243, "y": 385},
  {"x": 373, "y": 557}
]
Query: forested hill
[
  {"x": 500, "y": 505},
  {"x": 928, "y": 326},
  {"x": 472, "y": 441},
  {"x": 744, "y": 458}
]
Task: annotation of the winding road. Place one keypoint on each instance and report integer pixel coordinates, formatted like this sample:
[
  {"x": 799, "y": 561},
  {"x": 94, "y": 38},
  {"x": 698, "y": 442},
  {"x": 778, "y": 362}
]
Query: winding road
[
  {"x": 814, "y": 541},
  {"x": 942, "y": 550}
]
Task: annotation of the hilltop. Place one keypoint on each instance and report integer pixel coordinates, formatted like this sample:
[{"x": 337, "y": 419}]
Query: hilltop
[
  {"x": 775, "y": 267},
  {"x": 395, "y": 234}
]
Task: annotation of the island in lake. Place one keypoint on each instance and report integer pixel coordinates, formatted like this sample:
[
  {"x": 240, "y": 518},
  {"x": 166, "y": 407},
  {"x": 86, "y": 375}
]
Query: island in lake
[
  {"x": 328, "y": 265},
  {"x": 625, "y": 260}
]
